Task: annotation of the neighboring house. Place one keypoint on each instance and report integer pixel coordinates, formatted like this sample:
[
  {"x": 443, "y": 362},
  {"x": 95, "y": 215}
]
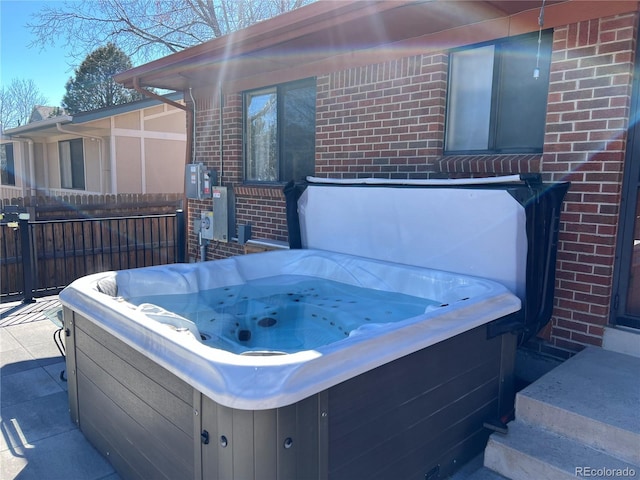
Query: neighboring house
[
  {"x": 139, "y": 147},
  {"x": 42, "y": 112},
  {"x": 419, "y": 89}
]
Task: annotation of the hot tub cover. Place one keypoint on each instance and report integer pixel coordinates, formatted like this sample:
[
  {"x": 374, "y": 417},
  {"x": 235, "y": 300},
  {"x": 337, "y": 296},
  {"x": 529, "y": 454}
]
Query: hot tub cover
[{"x": 503, "y": 228}]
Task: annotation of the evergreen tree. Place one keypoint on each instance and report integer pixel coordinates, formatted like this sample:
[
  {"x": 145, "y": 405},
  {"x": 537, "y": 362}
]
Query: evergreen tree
[{"x": 93, "y": 86}]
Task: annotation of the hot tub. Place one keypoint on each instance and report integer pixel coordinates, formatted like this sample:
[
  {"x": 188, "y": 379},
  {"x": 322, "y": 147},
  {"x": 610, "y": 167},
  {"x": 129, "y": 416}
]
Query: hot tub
[{"x": 306, "y": 363}]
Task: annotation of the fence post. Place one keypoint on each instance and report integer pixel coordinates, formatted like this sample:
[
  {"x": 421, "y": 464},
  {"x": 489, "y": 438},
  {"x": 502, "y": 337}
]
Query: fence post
[
  {"x": 181, "y": 237},
  {"x": 27, "y": 260}
]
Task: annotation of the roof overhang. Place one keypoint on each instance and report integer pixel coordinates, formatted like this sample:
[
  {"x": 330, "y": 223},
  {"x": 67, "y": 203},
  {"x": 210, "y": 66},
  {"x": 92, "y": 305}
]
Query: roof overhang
[
  {"x": 331, "y": 35},
  {"x": 81, "y": 123},
  {"x": 38, "y": 129}
]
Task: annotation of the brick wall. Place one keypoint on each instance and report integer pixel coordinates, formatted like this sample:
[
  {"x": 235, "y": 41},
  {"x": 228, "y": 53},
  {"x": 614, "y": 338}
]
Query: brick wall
[
  {"x": 589, "y": 97},
  {"x": 264, "y": 209},
  {"x": 387, "y": 120},
  {"x": 384, "y": 120},
  {"x": 207, "y": 151},
  {"x": 261, "y": 206}
]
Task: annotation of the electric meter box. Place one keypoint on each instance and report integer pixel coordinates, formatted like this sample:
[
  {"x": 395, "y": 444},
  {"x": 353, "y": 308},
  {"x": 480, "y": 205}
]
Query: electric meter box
[
  {"x": 193, "y": 181},
  {"x": 198, "y": 181},
  {"x": 206, "y": 225},
  {"x": 220, "y": 214}
]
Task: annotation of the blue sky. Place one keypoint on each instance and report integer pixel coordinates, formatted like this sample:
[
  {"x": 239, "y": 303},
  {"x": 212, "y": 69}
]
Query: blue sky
[{"x": 49, "y": 69}]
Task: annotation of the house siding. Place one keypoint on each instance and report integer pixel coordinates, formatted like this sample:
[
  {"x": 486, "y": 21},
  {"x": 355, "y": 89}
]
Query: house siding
[
  {"x": 162, "y": 156},
  {"x": 388, "y": 120},
  {"x": 141, "y": 150},
  {"x": 40, "y": 164},
  {"x": 128, "y": 152},
  {"x": 170, "y": 122},
  {"x": 92, "y": 174},
  {"x": 130, "y": 121},
  {"x": 53, "y": 164}
]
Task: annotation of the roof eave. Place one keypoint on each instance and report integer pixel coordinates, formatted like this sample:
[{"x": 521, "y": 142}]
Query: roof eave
[
  {"x": 37, "y": 126},
  {"x": 346, "y": 31},
  {"x": 306, "y": 19},
  {"x": 106, "y": 112}
]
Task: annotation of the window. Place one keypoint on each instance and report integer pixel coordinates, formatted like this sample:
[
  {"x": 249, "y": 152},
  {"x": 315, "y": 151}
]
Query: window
[
  {"x": 279, "y": 128},
  {"x": 495, "y": 104},
  {"x": 7, "y": 166},
  {"x": 71, "y": 164}
]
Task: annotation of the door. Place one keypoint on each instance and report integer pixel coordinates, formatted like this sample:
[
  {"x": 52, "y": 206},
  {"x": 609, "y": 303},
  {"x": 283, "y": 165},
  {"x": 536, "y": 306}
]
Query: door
[{"x": 626, "y": 295}]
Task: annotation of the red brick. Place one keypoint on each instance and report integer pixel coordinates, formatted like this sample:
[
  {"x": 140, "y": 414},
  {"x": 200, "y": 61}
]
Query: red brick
[
  {"x": 571, "y": 325},
  {"x": 591, "y": 125},
  {"x": 595, "y": 82},
  {"x": 597, "y": 331},
  {"x": 586, "y": 339},
  {"x": 619, "y": 22},
  {"x": 587, "y": 318},
  {"x": 569, "y": 346}
]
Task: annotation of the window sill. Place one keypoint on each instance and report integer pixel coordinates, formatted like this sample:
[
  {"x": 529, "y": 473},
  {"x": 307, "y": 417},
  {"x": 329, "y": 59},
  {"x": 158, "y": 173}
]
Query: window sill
[
  {"x": 490, "y": 164},
  {"x": 258, "y": 190}
]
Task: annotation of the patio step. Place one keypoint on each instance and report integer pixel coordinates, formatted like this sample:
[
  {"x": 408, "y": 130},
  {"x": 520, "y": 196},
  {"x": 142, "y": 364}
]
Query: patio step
[
  {"x": 584, "y": 413},
  {"x": 532, "y": 453},
  {"x": 593, "y": 397}
]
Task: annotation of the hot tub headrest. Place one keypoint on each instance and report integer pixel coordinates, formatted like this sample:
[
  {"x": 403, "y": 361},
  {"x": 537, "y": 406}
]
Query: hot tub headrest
[{"x": 108, "y": 286}]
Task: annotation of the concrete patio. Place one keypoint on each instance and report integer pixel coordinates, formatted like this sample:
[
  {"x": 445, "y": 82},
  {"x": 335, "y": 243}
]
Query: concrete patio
[{"x": 38, "y": 438}]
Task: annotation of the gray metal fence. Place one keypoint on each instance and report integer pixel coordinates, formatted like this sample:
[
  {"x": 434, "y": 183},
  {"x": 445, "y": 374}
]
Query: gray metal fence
[{"x": 41, "y": 258}]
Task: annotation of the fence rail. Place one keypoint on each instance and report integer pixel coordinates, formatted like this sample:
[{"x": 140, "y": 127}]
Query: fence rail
[
  {"x": 95, "y": 206},
  {"x": 53, "y": 253}
]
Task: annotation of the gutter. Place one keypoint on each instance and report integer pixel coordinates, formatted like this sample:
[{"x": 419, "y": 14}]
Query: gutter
[{"x": 35, "y": 126}]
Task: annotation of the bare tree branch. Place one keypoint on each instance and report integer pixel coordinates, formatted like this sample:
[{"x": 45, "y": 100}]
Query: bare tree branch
[
  {"x": 146, "y": 29},
  {"x": 17, "y": 102}
]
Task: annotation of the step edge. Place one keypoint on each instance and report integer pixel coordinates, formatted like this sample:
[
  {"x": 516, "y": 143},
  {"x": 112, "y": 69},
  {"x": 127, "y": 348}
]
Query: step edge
[
  {"x": 599, "y": 435},
  {"x": 524, "y": 466},
  {"x": 527, "y": 431}
]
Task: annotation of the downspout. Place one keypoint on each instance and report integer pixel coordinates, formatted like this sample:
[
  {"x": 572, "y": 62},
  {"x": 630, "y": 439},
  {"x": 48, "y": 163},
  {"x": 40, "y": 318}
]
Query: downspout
[
  {"x": 192, "y": 119},
  {"x": 221, "y": 139},
  {"x": 92, "y": 137},
  {"x": 202, "y": 242}
]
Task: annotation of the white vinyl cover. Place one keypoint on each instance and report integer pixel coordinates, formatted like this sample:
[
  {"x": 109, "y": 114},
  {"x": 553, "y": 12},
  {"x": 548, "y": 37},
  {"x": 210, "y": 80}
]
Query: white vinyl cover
[
  {"x": 480, "y": 232},
  {"x": 263, "y": 382}
]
